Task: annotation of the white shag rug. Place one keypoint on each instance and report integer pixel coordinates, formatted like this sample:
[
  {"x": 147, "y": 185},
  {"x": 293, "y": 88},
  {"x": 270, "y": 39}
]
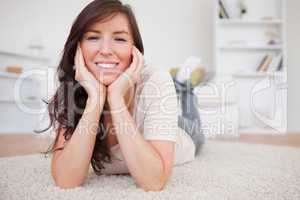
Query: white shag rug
[{"x": 224, "y": 170}]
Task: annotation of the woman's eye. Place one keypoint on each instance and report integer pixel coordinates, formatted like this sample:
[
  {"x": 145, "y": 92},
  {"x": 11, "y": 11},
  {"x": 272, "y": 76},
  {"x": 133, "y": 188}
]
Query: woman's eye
[
  {"x": 120, "y": 39},
  {"x": 92, "y": 38}
]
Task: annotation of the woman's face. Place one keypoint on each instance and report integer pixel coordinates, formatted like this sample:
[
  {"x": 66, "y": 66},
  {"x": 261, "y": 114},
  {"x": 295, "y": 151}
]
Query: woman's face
[{"x": 107, "y": 48}]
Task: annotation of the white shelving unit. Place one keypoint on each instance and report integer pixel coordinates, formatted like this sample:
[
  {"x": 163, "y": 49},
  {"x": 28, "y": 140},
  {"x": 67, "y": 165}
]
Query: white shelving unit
[
  {"x": 249, "y": 22},
  {"x": 252, "y": 47},
  {"x": 23, "y": 56},
  {"x": 21, "y": 97},
  {"x": 241, "y": 42}
]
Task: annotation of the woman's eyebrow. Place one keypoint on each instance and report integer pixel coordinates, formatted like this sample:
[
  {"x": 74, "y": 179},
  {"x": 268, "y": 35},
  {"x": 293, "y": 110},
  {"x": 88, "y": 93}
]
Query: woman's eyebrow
[
  {"x": 93, "y": 31},
  {"x": 120, "y": 32},
  {"x": 115, "y": 32}
]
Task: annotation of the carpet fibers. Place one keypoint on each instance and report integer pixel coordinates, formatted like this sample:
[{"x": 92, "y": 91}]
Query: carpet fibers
[{"x": 224, "y": 170}]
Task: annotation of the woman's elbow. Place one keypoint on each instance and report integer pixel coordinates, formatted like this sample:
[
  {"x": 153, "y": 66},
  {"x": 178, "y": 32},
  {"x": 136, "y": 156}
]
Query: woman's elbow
[
  {"x": 153, "y": 188},
  {"x": 67, "y": 184},
  {"x": 156, "y": 186}
]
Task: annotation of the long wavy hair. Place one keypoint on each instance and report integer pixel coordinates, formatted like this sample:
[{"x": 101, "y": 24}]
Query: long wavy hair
[{"x": 70, "y": 95}]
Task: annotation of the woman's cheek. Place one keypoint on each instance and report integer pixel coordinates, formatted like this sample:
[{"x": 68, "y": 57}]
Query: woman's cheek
[
  {"x": 85, "y": 52},
  {"x": 88, "y": 55},
  {"x": 127, "y": 56}
]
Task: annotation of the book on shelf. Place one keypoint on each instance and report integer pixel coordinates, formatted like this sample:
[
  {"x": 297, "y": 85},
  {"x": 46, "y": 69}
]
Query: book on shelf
[
  {"x": 280, "y": 65},
  {"x": 265, "y": 63},
  {"x": 223, "y": 14},
  {"x": 276, "y": 63}
]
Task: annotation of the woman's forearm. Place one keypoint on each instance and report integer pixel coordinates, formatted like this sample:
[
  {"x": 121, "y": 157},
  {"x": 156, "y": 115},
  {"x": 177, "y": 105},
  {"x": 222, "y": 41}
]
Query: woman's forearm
[
  {"x": 144, "y": 163},
  {"x": 70, "y": 166}
]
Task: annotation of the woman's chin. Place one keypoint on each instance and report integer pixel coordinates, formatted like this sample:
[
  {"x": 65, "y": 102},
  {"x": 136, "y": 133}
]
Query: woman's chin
[
  {"x": 107, "y": 81},
  {"x": 106, "y": 78}
]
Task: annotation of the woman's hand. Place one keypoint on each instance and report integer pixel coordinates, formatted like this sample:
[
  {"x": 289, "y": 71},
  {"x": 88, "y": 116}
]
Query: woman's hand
[
  {"x": 118, "y": 89},
  {"x": 95, "y": 89}
]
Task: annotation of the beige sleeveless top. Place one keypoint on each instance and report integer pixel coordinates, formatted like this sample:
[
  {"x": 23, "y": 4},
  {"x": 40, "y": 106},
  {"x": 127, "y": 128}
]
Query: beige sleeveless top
[{"x": 155, "y": 110}]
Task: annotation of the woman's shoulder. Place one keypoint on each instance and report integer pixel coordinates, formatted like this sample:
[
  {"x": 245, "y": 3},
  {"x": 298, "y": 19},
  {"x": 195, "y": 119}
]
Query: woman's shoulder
[{"x": 155, "y": 81}]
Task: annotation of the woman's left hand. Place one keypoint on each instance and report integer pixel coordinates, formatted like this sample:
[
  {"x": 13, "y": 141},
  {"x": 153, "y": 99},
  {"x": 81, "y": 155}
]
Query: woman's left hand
[{"x": 118, "y": 89}]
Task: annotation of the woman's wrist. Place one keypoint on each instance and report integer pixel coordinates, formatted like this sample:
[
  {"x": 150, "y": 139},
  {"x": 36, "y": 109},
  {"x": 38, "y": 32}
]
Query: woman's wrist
[
  {"x": 95, "y": 103},
  {"x": 116, "y": 103}
]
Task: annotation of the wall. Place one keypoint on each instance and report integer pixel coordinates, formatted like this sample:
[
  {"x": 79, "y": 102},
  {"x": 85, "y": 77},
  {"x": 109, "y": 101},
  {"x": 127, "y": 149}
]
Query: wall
[
  {"x": 293, "y": 17},
  {"x": 172, "y": 30},
  {"x": 33, "y": 22}
]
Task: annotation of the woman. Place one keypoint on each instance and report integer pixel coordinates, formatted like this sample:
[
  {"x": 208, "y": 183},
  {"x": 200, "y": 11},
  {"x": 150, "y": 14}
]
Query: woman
[{"x": 109, "y": 109}]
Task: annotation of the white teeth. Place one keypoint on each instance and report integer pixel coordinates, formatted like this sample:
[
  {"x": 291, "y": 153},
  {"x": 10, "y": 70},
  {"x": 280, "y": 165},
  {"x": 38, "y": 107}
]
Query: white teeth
[{"x": 107, "y": 66}]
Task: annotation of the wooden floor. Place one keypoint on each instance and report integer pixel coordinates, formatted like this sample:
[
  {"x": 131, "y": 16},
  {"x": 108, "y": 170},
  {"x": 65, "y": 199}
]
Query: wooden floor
[{"x": 24, "y": 144}]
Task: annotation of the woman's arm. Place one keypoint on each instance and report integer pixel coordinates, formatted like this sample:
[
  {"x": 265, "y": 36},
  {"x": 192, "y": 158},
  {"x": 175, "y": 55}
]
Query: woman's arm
[
  {"x": 149, "y": 163},
  {"x": 70, "y": 166}
]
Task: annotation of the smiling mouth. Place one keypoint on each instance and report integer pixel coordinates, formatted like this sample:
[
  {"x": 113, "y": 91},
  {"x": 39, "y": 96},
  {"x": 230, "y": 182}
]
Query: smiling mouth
[{"x": 107, "y": 65}]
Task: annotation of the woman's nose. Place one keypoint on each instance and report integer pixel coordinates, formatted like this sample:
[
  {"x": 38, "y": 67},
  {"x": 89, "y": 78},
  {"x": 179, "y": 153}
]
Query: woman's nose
[{"x": 105, "y": 48}]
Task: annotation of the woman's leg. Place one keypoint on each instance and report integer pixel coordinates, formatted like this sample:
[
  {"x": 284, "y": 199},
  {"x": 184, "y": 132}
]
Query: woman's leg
[{"x": 190, "y": 118}]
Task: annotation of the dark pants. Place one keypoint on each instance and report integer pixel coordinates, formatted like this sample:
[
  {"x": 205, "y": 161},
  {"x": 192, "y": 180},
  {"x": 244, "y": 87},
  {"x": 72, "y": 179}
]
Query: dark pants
[{"x": 189, "y": 120}]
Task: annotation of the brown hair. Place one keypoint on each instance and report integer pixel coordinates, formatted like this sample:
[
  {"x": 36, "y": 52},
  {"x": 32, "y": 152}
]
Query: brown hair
[{"x": 70, "y": 94}]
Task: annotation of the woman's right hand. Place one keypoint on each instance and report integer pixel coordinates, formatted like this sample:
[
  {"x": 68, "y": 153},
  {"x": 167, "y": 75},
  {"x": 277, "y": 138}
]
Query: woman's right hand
[{"x": 94, "y": 89}]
